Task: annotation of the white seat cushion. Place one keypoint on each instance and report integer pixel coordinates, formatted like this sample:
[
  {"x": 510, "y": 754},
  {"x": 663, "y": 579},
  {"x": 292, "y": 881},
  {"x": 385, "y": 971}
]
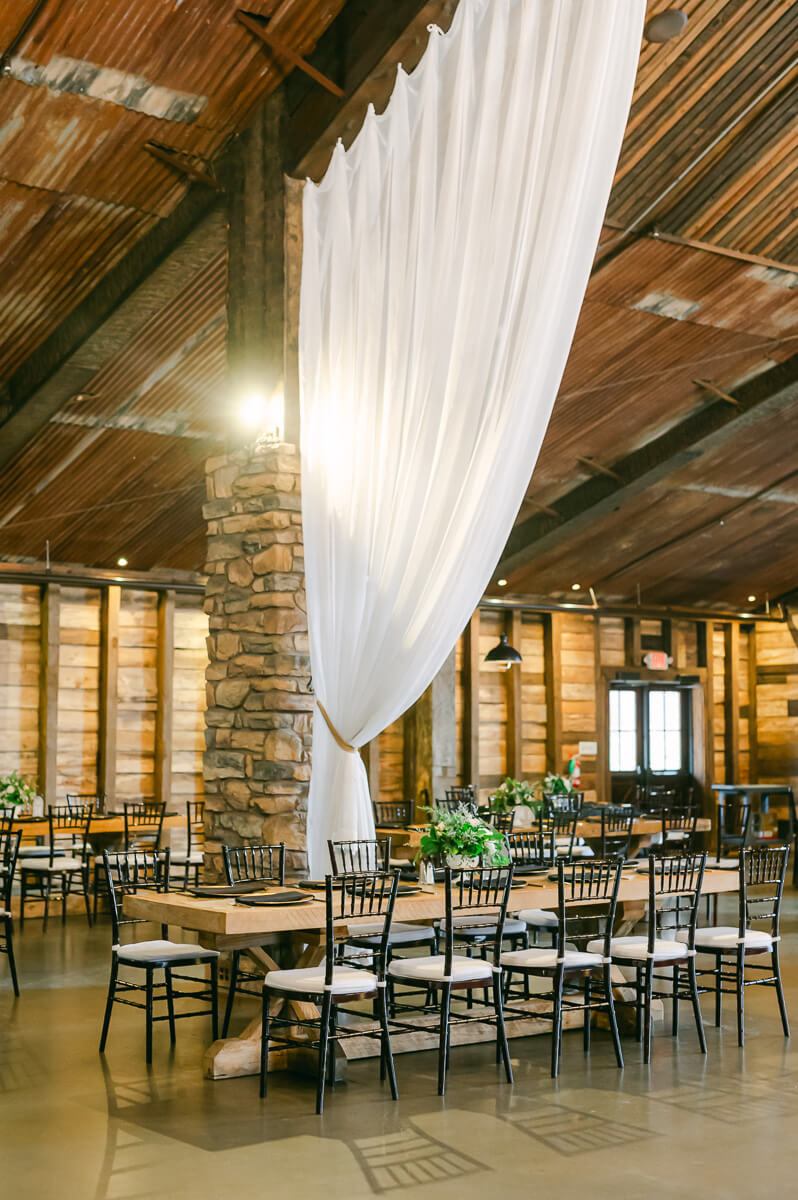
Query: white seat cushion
[
  {"x": 58, "y": 865},
  {"x": 539, "y": 918},
  {"x": 4, "y": 913},
  {"x": 194, "y": 859},
  {"x": 724, "y": 937},
  {"x": 581, "y": 850},
  {"x": 304, "y": 980},
  {"x": 634, "y": 948},
  {"x": 162, "y": 951},
  {"x": 538, "y": 958},
  {"x": 401, "y": 934},
  {"x": 723, "y": 864},
  {"x": 431, "y": 969}
]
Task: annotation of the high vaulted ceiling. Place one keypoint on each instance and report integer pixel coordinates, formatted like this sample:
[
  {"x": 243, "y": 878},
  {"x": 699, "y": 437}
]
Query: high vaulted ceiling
[{"x": 668, "y": 462}]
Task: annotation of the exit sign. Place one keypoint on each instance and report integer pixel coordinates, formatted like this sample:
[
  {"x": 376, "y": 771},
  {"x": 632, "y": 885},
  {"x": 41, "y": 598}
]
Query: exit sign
[{"x": 657, "y": 660}]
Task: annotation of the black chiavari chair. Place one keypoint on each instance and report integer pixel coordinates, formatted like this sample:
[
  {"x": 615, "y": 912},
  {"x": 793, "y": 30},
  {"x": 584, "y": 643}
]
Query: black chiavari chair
[
  {"x": 477, "y": 896},
  {"x": 84, "y": 799},
  {"x": 530, "y": 853},
  {"x": 9, "y": 851},
  {"x": 616, "y": 832},
  {"x": 189, "y": 859},
  {"x": 679, "y": 831},
  {"x": 392, "y": 814},
  {"x": 587, "y": 897},
  {"x": 563, "y": 802},
  {"x": 264, "y": 863},
  {"x": 142, "y": 830},
  {"x": 562, "y": 826},
  {"x": 142, "y": 870},
  {"x": 762, "y": 871},
  {"x": 359, "y": 854},
  {"x": 337, "y": 982},
  {"x": 674, "y": 891},
  {"x": 455, "y": 797},
  {"x": 503, "y": 821},
  {"x": 66, "y": 864}
]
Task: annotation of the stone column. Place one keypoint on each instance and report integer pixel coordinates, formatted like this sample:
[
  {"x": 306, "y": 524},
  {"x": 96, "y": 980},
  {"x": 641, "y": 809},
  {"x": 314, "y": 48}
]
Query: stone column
[{"x": 258, "y": 715}]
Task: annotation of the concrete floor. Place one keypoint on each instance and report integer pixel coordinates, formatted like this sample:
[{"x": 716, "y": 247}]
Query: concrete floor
[{"x": 75, "y": 1125}]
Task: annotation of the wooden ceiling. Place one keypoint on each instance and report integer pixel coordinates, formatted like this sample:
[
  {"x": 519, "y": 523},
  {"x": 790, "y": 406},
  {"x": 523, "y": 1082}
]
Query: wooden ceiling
[{"x": 112, "y": 343}]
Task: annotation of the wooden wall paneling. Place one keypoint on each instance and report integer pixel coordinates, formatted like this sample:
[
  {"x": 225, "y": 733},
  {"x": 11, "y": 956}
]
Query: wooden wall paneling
[
  {"x": 718, "y": 646},
  {"x": 471, "y": 671},
  {"x": 109, "y": 667},
  {"x": 731, "y": 700},
  {"x": 602, "y": 766},
  {"x": 492, "y": 707},
  {"x": 552, "y": 644},
  {"x": 743, "y": 706},
  {"x": 753, "y": 735},
  {"x": 391, "y": 752},
  {"x": 612, "y": 642},
  {"x": 705, "y": 639},
  {"x": 633, "y": 651},
  {"x": 370, "y": 754},
  {"x": 533, "y": 695},
  {"x": 513, "y": 681},
  {"x": 777, "y": 702},
  {"x": 578, "y": 671},
  {"x": 164, "y": 715},
  {"x": 48, "y": 689},
  {"x": 20, "y": 614},
  {"x": 137, "y": 699}
]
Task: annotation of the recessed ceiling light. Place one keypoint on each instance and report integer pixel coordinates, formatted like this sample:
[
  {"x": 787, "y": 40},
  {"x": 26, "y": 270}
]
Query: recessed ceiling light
[
  {"x": 576, "y": 587},
  {"x": 121, "y": 562},
  {"x": 501, "y": 583},
  {"x": 665, "y": 25},
  {"x": 751, "y": 599}
]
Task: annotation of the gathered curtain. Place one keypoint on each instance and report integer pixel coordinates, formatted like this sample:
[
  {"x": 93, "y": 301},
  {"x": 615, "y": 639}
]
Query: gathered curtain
[{"x": 445, "y": 258}]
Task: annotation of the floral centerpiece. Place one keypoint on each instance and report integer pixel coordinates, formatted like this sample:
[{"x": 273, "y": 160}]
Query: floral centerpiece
[
  {"x": 556, "y": 785},
  {"x": 15, "y": 792},
  {"x": 462, "y": 839},
  {"x": 512, "y": 793}
]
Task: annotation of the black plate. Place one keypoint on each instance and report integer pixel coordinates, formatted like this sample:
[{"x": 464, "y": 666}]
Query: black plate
[
  {"x": 276, "y": 898},
  {"x": 522, "y": 872},
  {"x": 234, "y": 889}
]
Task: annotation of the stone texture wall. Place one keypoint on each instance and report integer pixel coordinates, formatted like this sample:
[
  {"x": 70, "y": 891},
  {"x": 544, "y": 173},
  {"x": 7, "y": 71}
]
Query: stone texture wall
[{"x": 258, "y": 716}]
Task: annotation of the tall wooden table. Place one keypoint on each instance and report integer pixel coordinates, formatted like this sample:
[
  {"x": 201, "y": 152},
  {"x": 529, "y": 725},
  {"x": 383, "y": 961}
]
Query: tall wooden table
[{"x": 296, "y": 934}]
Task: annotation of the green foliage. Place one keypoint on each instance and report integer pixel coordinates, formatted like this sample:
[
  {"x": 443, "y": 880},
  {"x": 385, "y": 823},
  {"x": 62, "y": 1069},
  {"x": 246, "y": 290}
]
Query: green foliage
[
  {"x": 513, "y": 792},
  {"x": 556, "y": 785},
  {"x": 14, "y": 791},
  {"x": 462, "y": 832}
]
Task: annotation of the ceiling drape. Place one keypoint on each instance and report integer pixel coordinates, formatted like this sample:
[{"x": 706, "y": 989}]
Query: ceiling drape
[{"x": 445, "y": 257}]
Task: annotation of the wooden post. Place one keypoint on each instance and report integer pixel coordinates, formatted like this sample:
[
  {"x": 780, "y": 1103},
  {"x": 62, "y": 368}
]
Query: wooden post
[
  {"x": 109, "y": 666},
  {"x": 515, "y": 734},
  {"x": 370, "y": 753},
  {"x": 632, "y": 646},
  {"x": 48, "y": 689},
  {"x": 471, "y": 663},
  {"x": 602, "y": 719},
  {"x": 705, "y": 652},
  {"x": 731, "y": 703},
  {"x": 164, "y": 662},
  {"x": 753, "y": 731},
  {"x": 667, "y": 635},
  {"x": 552, "y": 660}
]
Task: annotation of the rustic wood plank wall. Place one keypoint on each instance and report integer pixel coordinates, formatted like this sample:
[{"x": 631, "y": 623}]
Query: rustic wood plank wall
[
  {"x": 749, "y": 680},
  {"x": 103, "y": 698}
]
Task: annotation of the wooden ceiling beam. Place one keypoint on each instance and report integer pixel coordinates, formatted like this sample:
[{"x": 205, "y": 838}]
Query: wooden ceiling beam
[
  {"x": 701, "y": 431},
  {"x": 261, "y": 29}
]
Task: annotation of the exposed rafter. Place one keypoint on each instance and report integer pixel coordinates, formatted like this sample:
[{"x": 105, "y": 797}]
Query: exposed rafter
[
  {"x": 261, "y": 28},
  {"x": 701, "y": 431}
]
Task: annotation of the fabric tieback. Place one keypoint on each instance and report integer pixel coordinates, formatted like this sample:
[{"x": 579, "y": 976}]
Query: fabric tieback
[{"x": 338, "y": 739}]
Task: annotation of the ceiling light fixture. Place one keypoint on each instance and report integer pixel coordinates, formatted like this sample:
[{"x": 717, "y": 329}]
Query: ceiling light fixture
[
  {"x": 121, "y": 562},
  {"x": 576, "y": 587},
  {"x": 751, "y": 599},
  {"x": 503, "y": 654},
  {"x": 665, "y": 25},
  {"x": 501, "y": 583}
]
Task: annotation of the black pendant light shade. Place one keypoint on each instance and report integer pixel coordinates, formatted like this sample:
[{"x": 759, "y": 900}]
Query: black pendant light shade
[{"x": 504, "y": 654}]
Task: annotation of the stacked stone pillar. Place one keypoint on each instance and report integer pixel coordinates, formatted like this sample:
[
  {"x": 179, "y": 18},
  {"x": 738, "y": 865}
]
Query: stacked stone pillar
[{"x": 258, "y": 716}]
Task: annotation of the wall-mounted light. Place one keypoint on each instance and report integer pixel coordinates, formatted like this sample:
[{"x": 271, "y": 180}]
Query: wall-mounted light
[
  {"x": 262, "y": 415},
  {"x": 503, "y": 655}
]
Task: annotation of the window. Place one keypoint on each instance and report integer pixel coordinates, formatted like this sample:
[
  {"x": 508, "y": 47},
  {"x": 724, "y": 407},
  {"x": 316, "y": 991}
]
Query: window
[
  {"x": 664, "y": 730},
  {"x": 623, "y": 729}
]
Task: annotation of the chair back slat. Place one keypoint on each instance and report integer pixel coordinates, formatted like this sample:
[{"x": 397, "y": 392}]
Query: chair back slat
[
  {"x": 9, "y": 852},
  {"x": 503, "y": 821},
  {"x": 264, "y": 862},
  {"x": 359, "y": 855},
  {"x": 392, "y": 814},
  {"x": 482, "y": 892},
  {"x": 563, "y": 802},
  {"x": 195, "y": 825},
  {"x": 616, "y": 831},
  {"x": 530, "y": 848},
  {"x": 353, "y": 895},
  {"x": 143, "y": 824},
  {"x": 455, "y": 796},
  {"x": 129, "y": 871},
  {"x": 674, "y": 877},
  {"x": 763, "y": 870},
  {"x": 562, "y": 827},
  {"x": 587, "y": 898},
  {"x": 69, "y": 830}
]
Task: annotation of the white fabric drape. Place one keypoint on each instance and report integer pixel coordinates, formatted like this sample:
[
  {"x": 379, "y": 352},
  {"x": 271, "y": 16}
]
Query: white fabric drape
[{"x": 446, "y": 254}]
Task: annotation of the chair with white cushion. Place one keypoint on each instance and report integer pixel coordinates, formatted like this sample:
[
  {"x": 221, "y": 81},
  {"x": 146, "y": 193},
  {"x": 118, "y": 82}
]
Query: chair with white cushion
[
  {"x": 478, "y": 896},
  {"x": 587, "y": 897},
  {"x": 66, "y": 866},
  {"x": 531, "y": 852},
  {"x": 264, "y": 862},
  {"x": 562, "y": 824},
  {"x": 674, "y": 891},
  {"x": 189, "y": 858},
  {"x": 733, "y": 947},
  {"x": 9, "y": 850},
  {"x": 336, "y": 982},
  {"x": 616, "y": 831},
  {"x": 134, "y": 871},
  {"x": 143, "y": 830}
]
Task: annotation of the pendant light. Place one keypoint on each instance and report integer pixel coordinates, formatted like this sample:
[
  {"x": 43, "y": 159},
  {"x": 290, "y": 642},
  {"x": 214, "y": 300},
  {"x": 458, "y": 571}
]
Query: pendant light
[{"x": 503, "y": 654}]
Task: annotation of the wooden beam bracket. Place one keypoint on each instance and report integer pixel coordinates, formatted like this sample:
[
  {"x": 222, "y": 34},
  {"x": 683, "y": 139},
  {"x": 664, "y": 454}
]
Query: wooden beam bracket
[
  {"x": 597, "y": 468},
  {"x": 193, "y": 166},
  {"x": 255, "y": 25},
  {"x": 707, "y": 386}
]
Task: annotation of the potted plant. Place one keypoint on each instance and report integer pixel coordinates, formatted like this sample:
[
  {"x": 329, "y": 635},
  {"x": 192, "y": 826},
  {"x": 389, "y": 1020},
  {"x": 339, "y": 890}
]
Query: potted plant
[
  {"x": 460, "y": 839},
  {"x": 515, "y": 793},
  {"x": 16, "y": 793},
  {"x": 555, "y": 785}
]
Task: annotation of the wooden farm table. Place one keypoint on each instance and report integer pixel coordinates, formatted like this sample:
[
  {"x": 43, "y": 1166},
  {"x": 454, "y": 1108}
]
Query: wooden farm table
[
  {"x": 762, "y": 794},
  {"x": 297, "y": 933},
  {"x": 103, "y": 828},
  {"x": 643, "y": 828}
]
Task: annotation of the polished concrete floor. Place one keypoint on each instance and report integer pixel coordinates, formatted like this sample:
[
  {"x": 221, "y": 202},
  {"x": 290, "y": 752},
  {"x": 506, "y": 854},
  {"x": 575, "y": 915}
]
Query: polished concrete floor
[{"x": 80, "y": 1127}]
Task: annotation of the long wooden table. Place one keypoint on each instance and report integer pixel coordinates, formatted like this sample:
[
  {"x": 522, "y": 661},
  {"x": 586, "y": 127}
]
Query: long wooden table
[
  {"x": 102, "y": 829},
  {"x": 298, "y": 931}
]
